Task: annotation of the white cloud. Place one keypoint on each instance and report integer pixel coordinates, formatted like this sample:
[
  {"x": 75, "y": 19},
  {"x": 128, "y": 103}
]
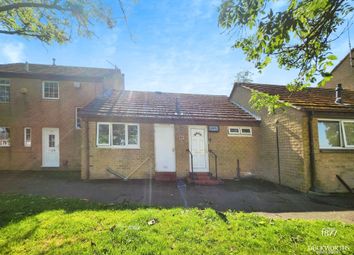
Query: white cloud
[{"x": 12, "y": 52}]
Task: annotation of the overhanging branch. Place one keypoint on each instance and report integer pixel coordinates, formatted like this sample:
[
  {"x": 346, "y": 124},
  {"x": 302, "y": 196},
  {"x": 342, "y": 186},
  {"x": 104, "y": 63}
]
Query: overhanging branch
[{"x": 10, "y": 7}]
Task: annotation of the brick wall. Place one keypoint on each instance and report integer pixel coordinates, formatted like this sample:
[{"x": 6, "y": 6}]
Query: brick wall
[
  {"x": 182, "y": 156},
  {"x": 228, "y": 149},
  {"x": 30, "y": 110},
  {"x": 331, "y": 162},
  {"x": 293, "y": 144},
  {"x": 344, "y": 74},
  {"x": 124, "y": 161}
]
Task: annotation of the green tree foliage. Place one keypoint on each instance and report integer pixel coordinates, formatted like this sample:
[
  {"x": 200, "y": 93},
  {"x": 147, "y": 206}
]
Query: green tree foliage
[
  {"x": 260, "y": 100},
  {"x": 299, "y": 36},
  {"x": 53, "y": 20}
]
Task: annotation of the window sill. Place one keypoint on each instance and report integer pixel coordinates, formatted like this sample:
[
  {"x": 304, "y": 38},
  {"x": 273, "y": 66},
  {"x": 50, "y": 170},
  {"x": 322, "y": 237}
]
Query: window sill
[
  {"x": 117, "y": 148},
  {"x": 239, "y": 135},
  {"x": 338, "y": 150}
]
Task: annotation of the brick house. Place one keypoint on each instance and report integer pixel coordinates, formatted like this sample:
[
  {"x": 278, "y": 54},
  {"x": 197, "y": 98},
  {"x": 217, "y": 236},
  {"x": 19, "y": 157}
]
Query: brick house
[
  {"x": 343, "y": 73},
  {"x": 310, "y": 143},
  {"x": 166, "y": 135},
  {"x": 39, "y": 127},
  {"x": 131, "y": 134}
]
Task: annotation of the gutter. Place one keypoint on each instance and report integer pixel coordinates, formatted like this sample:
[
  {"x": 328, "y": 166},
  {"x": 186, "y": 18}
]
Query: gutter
[{"x": 312, "y": 153}]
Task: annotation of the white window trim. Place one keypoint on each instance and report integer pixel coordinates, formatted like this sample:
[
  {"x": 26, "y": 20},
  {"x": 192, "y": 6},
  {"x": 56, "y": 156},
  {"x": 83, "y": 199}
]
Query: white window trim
[
  {"x": 342, "y": 138},
  {"x": 110, "y": 144},
  {"x": 24, "y": 137},
  {"x": 5, "y": 85},
  {"x": 6, "y": 146},
  {"x": 240, "y": 134},
  {"x": 97, "y": 134},
  {"x": 132, "y": 146},
  {"x": 76, "y": 117},
  {"x": 50, "y": 98},
  {"x": 345, "y": 135}
]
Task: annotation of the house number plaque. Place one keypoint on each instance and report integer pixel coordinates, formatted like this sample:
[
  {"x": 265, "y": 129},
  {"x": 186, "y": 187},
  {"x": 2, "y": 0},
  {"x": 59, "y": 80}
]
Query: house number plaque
[{"x": 213, "y": 128}]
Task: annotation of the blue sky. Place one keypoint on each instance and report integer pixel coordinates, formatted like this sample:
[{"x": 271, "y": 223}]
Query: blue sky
[{"x": 176, "y": 46}]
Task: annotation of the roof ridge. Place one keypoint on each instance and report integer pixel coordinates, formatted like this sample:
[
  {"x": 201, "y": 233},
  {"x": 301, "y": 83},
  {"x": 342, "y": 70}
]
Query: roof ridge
[
  {"x": 284, "y": 86},
  {"x": 51, "y": 65},
  {"x": 173, "y": 93}
]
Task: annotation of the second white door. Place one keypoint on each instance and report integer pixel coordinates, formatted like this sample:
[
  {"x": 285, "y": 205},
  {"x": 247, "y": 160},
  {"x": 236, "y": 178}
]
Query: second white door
[
  {"x": 165, "y": 156},
  {"x": 198, "y": 145},
  {"x": 50, "y": 147}
]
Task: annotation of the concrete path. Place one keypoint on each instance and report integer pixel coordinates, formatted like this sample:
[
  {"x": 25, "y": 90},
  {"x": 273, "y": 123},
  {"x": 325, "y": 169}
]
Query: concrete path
[{"x": 246, "y": 195}]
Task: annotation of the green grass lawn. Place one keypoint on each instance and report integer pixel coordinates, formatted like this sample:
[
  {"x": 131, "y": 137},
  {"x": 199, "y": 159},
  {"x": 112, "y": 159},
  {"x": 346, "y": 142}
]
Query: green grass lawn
[{"x": 40, "y": 225}]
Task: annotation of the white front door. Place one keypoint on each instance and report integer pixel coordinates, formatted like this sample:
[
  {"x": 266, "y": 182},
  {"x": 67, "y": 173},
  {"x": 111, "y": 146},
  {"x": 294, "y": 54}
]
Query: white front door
[
  {"x": 50, "y": 147},
  {"x": 198, "y": 145},
  {"x": 165, "y": 157}
]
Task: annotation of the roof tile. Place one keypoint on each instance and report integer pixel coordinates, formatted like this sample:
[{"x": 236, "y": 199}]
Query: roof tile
[
  {"x": 314, "y": 99},
  {"x": 168, "y": 106},
  {"x": 39, "y": 69}
]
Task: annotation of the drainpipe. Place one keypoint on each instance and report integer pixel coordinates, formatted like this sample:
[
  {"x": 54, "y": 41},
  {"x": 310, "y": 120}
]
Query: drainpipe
[
  {"x": 312, "y": 154},
  {"x": 278, "y": 152},
  {"x": 87, "y": 151}
]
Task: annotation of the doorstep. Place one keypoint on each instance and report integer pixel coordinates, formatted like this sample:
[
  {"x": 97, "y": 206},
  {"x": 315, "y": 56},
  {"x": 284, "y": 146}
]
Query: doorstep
[
  {"x": 165, "y": 176},
  {"x": 203, "y": 179}
]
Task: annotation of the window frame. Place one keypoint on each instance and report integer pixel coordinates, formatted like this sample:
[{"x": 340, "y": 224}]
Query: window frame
[
  {"x": 97, "y": 134},
  {"x": 25, "y": 142},
  {"x": 240, "y": 133},
  {"x": 345, "y": 135},
  {"x": 125, "y": 136},
  {"x": 110, "y": 144},
  {"x": 6, "y": 85},
  {"x": 76, "y": 117},
  {"x": 6, "y": 146},
  {"x": 342, "y": 135},
  {"x": 43, "y": 93}
]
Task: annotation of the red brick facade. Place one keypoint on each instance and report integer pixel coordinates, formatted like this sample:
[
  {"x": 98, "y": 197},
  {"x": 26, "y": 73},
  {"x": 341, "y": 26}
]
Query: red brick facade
[{"x": 27, "y": 108}]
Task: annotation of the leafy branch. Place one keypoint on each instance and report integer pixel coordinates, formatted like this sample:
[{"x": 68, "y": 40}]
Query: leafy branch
[
  {"x": 297, "y": 37},
  {"x": 53, "y": 20}
]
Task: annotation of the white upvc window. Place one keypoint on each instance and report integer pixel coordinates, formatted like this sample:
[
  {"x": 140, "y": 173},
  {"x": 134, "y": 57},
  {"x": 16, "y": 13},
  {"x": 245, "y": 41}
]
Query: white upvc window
[
  {"x": 77, "y": 118},
  {"x": 27, "y": 137},
  {"x": 239, "y": 131},
  {"x": 50, "y": 90},
  {"x": 4, "y": 91},
  {"x": 103, "y": 134},
  {"x": 4, "y": 137},
  {"x": 335, "y": 133},
  {"x": 118, "y": 135}
]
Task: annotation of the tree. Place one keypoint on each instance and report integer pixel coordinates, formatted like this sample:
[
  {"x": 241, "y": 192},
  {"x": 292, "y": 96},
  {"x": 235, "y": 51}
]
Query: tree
[
  {"x": 299, "y": 36},
  {"x": 53, "y": 20},
  {"x": 244, "y": 76}
]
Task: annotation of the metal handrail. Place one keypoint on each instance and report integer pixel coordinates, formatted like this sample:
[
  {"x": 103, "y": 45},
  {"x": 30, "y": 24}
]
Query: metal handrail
[
  {"x": 215, "y": 162},
  {"x": 191, "y": 154}
]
